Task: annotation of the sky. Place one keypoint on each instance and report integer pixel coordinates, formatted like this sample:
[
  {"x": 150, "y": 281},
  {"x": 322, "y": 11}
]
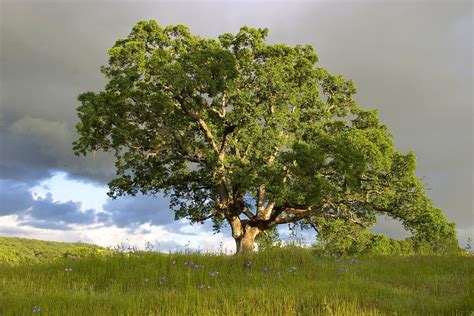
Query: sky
[{"x": 411, "y": 60}]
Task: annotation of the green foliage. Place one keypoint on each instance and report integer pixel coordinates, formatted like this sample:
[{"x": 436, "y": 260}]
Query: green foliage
[
  {"x": 15, "y": 251},
  {"x": 268, "y": 239},
  {"x": 298, "y": 282},
  {"x": 218, "y": 123},
  {"x": 340, "y": 238}
]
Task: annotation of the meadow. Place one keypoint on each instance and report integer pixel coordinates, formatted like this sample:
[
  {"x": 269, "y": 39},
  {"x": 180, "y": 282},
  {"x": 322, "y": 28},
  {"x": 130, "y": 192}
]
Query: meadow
[{"x": 281, "y": 281}]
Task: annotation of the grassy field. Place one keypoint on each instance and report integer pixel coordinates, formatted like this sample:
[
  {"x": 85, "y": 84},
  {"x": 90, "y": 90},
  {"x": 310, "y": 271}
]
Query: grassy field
[{"x": 287, "y": 281}]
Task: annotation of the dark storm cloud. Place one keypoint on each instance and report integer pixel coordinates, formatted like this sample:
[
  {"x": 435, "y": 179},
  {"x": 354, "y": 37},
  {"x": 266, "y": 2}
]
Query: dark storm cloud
[
  {"x": 133, "y": 211},
  {"x": 17, "y": 199},
  {"x": 14, "y": 197},
  {"x": 69, "y": 212},
  {"x": 410, "y": 60},
  {"x": 45, "y": 64},
  {"x": 390, "y": 227}
]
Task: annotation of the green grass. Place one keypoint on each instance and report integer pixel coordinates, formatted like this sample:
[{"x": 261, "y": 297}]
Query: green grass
[{"x": 130, "y": 285}]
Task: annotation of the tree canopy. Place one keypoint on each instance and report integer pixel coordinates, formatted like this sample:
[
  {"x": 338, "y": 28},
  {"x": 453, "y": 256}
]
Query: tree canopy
[{"x": 249, "y": 134}]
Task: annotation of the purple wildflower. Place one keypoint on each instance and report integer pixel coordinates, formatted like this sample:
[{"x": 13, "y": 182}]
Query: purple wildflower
[{"x": 162, "y": 279}]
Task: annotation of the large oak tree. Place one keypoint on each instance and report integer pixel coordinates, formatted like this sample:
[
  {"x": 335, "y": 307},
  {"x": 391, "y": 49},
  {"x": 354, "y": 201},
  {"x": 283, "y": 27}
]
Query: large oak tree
[{"x": 247, "y": 133}]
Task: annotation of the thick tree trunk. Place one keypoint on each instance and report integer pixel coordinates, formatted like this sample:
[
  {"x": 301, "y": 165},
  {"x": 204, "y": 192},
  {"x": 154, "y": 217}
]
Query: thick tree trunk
[
  {"x": 244, "y": 235},
  {"x": 245, "y": 243}
]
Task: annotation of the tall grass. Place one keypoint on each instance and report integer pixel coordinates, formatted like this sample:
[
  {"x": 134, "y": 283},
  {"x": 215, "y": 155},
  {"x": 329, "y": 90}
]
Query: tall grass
[{"x": 287, "y": 281}]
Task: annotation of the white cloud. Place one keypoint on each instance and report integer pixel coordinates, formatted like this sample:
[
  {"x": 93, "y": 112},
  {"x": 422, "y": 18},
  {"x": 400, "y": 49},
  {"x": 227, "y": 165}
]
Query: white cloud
[
  {"x": 161, "y": 239},
  {"x": 64, "y": 189}
]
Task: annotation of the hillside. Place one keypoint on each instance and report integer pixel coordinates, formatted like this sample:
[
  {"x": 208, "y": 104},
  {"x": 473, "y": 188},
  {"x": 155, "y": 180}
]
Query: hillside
[{"x": 14, "y": 251}]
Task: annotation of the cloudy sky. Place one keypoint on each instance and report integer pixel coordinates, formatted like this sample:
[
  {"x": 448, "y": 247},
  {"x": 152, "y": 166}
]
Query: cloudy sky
[{"x": 411, "y": 60}]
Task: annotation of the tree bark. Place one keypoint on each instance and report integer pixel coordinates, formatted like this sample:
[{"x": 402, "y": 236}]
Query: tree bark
[
  {"x": 243, "y": 233},
  {"x": 245, "y": 243}
]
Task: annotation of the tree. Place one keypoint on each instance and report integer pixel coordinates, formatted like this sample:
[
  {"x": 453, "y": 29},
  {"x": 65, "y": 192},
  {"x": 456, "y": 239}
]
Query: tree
[{"x": 249, "y": 134}]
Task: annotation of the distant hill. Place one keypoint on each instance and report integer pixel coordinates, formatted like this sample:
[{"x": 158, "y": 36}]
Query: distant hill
[{"x": 15, "y": 250}]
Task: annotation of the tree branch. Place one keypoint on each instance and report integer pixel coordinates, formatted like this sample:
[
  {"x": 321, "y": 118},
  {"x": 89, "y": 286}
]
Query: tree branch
[
  {"x": 288, "y": 219},
  {"x": 192, "y": 157},
  {"x": 229, "y": 130},
  {"x": 202, "y": 124},
  {"x": 299, "y": 212},
  {"x": 224, "y": 96},
  {"x": 222, "y": 112},
  {"x": 260, "y": 199}
]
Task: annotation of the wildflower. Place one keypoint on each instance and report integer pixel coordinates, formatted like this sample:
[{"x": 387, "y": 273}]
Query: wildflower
[
  {"x": 196, "y": 266},
  {"x": 162, "y": 279},
  {"x": 188, "y": 263},
  {"x": 353, "y": 261},
  {"x": 202, "y": 286},
  {"x": 35, "y": 309},
  {"x": 146, "y": 280},
  {"x": 68, "y": 269},
  {"x": 341, "y": 269},
  {"x": 291, "y": 269},
  {"x": 173, "y": 262},
  {"x": 215, "y": 273},
  {"x": 265, "y": 270},
  {"x": 248, "y": 264}
]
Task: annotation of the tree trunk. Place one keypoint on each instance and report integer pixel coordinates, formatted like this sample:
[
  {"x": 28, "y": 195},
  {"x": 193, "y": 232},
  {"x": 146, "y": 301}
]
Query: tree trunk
[
  {"x": 245, "y": 243},
  {"x": 244, "y": 235}
]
